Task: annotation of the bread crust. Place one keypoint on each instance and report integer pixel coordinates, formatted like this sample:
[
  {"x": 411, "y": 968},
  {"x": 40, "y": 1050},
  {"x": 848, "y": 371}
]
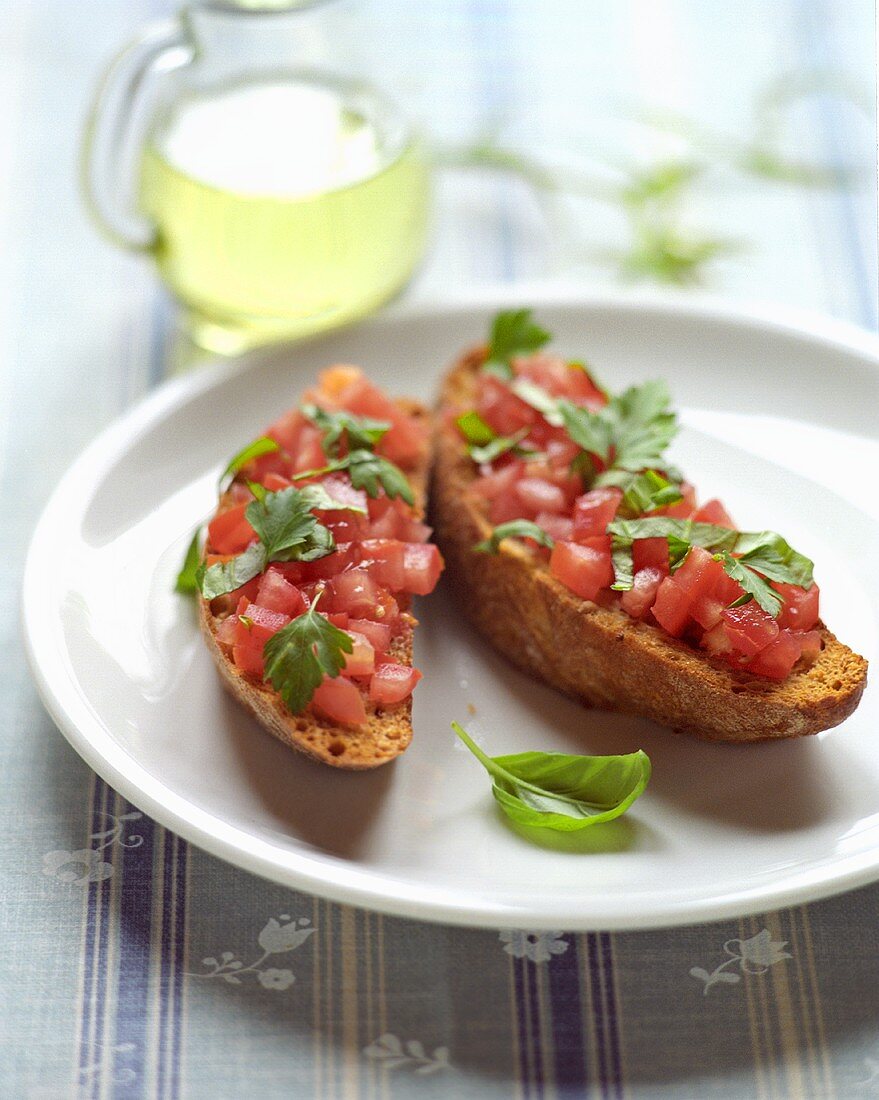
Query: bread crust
[
  {"x": 600, "y": 655},
  {"x": 388, "y": 729}
]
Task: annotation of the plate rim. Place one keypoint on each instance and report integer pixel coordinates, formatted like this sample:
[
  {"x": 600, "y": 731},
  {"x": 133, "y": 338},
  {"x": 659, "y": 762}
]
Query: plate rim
[{"x": 331, "y": 877}]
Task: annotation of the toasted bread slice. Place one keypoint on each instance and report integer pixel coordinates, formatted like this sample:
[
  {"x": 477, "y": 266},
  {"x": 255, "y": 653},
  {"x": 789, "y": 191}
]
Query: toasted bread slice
[
  {"x": 601, "y": 655},
  {"x": 388, "y": 730}
]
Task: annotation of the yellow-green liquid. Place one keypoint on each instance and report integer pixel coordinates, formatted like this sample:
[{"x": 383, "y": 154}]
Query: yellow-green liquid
[{"x": 281, "y": 211}]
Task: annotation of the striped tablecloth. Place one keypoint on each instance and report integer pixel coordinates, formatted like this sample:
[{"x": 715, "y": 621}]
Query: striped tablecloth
[{"x": 135, "y": 965}]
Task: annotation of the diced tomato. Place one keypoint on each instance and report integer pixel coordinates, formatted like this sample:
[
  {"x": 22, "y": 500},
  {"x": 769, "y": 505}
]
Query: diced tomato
[
  {"x": 777, "y": 658},
  {"x": 750, "y": 628},
  {"x": 229, "y": 532},
  {"x": 712, "y": 511},
  {"x": 341, "y": 489},
  {"x": 275, "y": 482},
  {"x": 227, "y": 631},
  {"x": 584, "y": 568},
  {"x": 361, "y": 661},
  {"x": 501, "y": 409},
  {"x": 406, "y": 441},
  {"x": 334, "y": 380},
  {"x": 503, "y": 509},
  {"x": 810, "y": 644},
  {"x": 309, "y": 452},
  {"x": 499, "y": 482},
  {"x": 384, "y": 558},
  {"x": 286, "y": 429},
  {"x": 639, "y": 598},
  {"x": 388, "y": 519},
  {"x": 355, "y": 592},
  {"x": 558, "y": 527},
  {"x": 671, "y": 608},
  {"x": 800, "y": 608},
  {"x": 706, "y": 611},
  {"x": 416, "y": 531},
  {"x": 423, "y": 564},
  {"x": 593, "y": 511},
  {"x": 716, "y": 641},
  {"x": 247, "y": 653},
  {"x": 560, "y": 378},
  {"x": 684, "y": 508},
  {"x": 537, "y": 495},
  {"x": 331, "y": 565},
  {"x": 377, "y": 634},
  {"x": 341, "y": 701},
  {"x": 698, "y": 574},
  {"x": 341, "y": 619},
  {"x": 392, "y": 683},
  {"x": 562, "y": 452},
  {"x": 278, "y": 594},
  {"x": 651, "y": 554}
]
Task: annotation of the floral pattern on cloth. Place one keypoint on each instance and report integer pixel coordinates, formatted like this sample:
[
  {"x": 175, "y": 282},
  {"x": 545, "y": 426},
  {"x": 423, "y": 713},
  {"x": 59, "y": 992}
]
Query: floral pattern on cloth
[
  {"x": 754, "y": 956},
  {"x": 85, "y": 865},
  {"x": 279, "y": 936},
  {"x": 392, "y": 1053},
  {"x": 539, "y": 947}
]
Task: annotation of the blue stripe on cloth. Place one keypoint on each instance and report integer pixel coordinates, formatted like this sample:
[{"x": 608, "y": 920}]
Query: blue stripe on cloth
[
  {"x": 815, "y": 24},
  {"x": 180, "y": 960},
  {"x": 87, "y": 1008},
  {"x": 135, "y": 933},
  {"x": 567, "y": 1021},
  {"x": 611, "y": 1009},
  {"x": 521, "y": 1026},
  {"x": 593, "y": 959},
  {"x": 535, "y": 1037}
]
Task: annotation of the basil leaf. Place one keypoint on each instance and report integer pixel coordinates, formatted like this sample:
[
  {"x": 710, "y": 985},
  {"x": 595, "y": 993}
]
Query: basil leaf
[
  {"x": 300, "y": 654},
  {"x": 187, "y": 578},
  {"x": 368, "y": 471},
  {"x": 262, "y": 446},
  {"x": 589, "y": 430},
  {"x": 474, "y": 429},
  {"x": 360, "y": 431},
  {"x": 754, "y": 585},
  {"x": 772, "y": 556},
  {"x": 512, "y": 333},
  {"x": 228, "y": 575},
  {"x": 283, "y": 521},
  {"x": 515, "y": 529},
  {"x": 647, "y": 491},
  {"x": 554, "y": 790}
]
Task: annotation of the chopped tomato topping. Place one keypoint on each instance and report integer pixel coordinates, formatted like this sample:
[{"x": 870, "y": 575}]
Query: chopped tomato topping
[
  {"x": 341, "y": 701},
  {"x": 392, "y": 682},
  {"x": 584, "y": 568},
  {"x": 229, "y": 532}
]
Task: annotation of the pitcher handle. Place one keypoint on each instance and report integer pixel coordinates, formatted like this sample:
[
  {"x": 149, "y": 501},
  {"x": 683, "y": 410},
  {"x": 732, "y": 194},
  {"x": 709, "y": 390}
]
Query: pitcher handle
[{"x": 106, "y": 167}]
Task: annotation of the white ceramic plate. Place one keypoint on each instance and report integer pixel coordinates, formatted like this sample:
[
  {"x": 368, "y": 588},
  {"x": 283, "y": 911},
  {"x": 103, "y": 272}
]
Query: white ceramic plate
[{"x": 787, "y": 439}]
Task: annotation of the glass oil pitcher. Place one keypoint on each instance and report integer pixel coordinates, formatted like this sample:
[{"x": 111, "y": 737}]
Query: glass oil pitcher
[{"x": 277, "y": 191}]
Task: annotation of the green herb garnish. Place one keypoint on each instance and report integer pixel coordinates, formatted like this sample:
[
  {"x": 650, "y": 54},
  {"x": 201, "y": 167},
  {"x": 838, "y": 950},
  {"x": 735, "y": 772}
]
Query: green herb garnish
[
  {"x": 300, "y": 654},
  {"x": 474, "y": 429},
  {"x": 187, "y": 578},
  {"x": 367, "y": 471},
  {"x": 287, "y": 531},
  {"x": 647, "y": 491},
  {"x": 554, "y": 790},
  {"x": 512, "y": 333},
  {"x": 758, "y": 554},
  {"x": 262, "y": 446},
  {"x": 515, "y": 529},
  {"x": 360, "y": 432}
]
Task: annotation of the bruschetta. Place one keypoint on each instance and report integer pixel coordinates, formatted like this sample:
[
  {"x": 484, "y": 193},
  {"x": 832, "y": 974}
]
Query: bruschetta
[
  {"x": 585, "y": 559},
  {"x": 308, "y": 569}
]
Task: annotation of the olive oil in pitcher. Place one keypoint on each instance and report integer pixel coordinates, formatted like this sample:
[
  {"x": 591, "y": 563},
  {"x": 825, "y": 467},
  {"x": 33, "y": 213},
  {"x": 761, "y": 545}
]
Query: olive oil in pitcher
[{"x": 282, "y": 206}]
